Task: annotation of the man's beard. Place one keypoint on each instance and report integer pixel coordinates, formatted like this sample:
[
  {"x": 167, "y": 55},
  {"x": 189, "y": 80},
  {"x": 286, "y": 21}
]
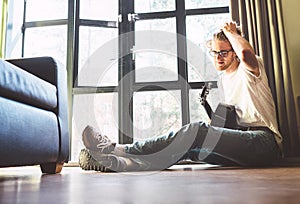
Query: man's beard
[{"x": 224, "y": 68}]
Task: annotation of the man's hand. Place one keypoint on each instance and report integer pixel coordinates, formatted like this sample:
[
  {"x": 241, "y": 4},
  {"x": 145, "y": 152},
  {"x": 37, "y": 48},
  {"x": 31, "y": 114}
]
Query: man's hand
[
  {"x": 230, "y": 27},
  {"x": 242, "y": 47}
]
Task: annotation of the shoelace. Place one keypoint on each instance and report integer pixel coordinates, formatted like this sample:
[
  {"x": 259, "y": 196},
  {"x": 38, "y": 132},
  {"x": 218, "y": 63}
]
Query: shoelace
[{"x": 103, "y": 141}]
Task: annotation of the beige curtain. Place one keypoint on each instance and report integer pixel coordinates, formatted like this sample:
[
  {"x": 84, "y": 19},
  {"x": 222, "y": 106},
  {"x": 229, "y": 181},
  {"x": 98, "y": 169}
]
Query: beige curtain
[
  {"x": 4, "y": 4},
  {"x": 262, "y": 24}
]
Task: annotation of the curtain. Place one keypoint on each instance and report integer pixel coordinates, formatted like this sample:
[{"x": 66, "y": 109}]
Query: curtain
[
  {"x": 261, "y": 22},
  {"x": 3, "y": 7}
]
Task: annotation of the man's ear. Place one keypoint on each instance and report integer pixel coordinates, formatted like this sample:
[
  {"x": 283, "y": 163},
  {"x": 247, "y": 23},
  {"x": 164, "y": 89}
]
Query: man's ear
[
  {"x": 236, "y": 57},
  {"x": 209, "y": 44}
]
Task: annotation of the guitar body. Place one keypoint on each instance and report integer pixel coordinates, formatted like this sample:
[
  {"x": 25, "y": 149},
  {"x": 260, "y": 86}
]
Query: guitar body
[{"x": 224, "y": 116}]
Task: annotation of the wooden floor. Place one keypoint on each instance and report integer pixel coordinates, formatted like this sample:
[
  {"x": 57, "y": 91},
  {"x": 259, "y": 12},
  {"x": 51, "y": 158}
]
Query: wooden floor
[{"x": 182, "y": 184}]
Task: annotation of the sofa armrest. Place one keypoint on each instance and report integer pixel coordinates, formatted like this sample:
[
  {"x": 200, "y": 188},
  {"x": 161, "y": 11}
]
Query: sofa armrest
[
  {"x": 42, "y": 67},
  {"x": 53, "y": 72}
]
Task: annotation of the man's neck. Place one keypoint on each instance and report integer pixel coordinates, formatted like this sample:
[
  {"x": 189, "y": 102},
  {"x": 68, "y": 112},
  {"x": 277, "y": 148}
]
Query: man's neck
[{"x": 233, "y": 67}]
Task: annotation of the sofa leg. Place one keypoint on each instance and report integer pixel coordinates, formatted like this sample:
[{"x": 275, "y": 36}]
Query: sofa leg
[{"x": 51, "y": 168}]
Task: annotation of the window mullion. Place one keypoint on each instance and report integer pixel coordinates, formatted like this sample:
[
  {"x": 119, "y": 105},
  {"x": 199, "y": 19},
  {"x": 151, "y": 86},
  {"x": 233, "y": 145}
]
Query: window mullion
[
  {"x": 125, "y": 93},
  {"x": 70, "y": 62},
  {"x": 23, "y": 28},
  {"x": 182, "y": 60}
]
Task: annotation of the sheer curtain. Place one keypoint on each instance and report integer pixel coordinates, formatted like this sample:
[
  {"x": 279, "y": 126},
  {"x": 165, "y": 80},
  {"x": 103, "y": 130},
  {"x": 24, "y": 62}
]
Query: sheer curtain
[
  {"x": 262, "y": 24},
  {"x": 3, "y": 14}
]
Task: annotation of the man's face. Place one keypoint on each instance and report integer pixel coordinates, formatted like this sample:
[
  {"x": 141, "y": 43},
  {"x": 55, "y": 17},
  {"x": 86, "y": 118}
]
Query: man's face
[{"x": 224, "y": 56}]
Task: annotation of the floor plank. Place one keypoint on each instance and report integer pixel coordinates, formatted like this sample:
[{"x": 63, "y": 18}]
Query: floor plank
[{"x": 181, "y": 184}]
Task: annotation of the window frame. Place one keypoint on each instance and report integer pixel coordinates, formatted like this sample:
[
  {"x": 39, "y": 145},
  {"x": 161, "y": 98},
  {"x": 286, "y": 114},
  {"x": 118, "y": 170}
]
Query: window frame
[{"x": 126, "y": 89}]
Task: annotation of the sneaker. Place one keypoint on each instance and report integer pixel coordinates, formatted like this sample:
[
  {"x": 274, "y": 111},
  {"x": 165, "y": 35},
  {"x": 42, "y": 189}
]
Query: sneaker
[
  {"x": 94, "y": 141},
  {"x": 115, "y": 163},
  {"x": 87, "y": 162},
  {"x": 101, "y": 162}
]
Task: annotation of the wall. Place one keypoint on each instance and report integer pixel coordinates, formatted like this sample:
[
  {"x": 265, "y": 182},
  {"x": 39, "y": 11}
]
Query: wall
[{"x": 291, "y": 15}]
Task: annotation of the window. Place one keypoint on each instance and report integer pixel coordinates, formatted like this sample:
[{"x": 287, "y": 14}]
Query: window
[
  {"x": 155, "y": 55},
  {"x": 138, "y": 65},
  {"x": 170, "y": 62},
  {"x": 44, "y": 31},
  {"x": 14, "y": 33}
]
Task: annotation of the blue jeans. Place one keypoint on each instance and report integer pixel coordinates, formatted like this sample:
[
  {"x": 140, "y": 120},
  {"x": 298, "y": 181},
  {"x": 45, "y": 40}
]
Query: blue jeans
[{"x": 202, "y": 142}]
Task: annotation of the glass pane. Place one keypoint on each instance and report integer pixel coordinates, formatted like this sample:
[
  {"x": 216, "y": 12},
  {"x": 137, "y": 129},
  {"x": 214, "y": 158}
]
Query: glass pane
[
  {"x": 156, "y": 50},
  {"x": 14, "y": 31},
  {"x": 156, "y": 113},
  {"x": 193, "y": 4},
  {"x": 145, "y": 6},
  {"x": 197, "y": 111},
  {"x": 98, "y": 56},
  {"x": 37, "y": 10},
  {"x": 99, "y": 9},
  {"x": 98, "y": 110},
  {"x": 199, "y": 30},
  {"x": 46, "y": 41}
]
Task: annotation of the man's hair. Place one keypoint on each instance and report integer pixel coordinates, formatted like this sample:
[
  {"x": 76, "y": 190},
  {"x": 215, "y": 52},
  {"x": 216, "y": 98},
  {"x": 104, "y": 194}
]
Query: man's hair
[{"x": 222, "y": 37}]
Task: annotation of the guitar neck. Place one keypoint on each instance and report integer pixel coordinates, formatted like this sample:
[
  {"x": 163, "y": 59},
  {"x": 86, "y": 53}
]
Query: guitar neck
[
  {"x": 208, "y": 109},
  {"x": 204, "y": 102}
]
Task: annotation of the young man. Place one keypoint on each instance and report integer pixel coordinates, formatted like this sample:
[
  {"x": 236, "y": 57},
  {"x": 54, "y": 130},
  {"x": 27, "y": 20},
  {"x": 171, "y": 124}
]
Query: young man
[{"x": 244, "y": 84}]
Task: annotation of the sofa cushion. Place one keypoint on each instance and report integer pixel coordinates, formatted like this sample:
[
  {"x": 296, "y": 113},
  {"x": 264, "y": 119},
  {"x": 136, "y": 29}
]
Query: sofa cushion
[{"x": 19, "y": 85}]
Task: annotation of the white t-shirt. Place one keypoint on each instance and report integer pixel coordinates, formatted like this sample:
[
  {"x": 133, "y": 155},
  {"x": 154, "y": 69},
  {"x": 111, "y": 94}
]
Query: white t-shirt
[{"x": 252, "y": 98}]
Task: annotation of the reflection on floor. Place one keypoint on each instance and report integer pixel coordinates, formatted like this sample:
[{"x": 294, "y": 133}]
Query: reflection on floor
[{"x": 198, "y": 183}]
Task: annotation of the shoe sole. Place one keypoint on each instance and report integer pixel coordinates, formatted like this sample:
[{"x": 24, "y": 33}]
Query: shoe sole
[{"x": 88, "y": 163}]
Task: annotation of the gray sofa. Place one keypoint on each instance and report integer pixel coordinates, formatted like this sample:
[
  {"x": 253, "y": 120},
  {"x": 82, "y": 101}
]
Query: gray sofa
[{"x": 33, "y": 114}]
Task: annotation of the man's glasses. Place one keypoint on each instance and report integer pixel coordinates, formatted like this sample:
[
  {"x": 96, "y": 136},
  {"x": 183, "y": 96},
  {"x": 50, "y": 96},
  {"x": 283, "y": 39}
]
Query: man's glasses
[{"x": 222, "y": 53}]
